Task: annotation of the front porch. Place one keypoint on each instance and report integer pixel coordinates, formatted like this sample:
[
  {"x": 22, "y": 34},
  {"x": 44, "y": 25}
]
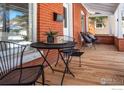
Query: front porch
[
  {"x": 103, "y": 66},
  {"x": 100, "y": 66}
]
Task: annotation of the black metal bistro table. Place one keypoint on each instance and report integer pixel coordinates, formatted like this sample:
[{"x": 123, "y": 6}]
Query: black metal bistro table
[{"x": 58, "y": 46}]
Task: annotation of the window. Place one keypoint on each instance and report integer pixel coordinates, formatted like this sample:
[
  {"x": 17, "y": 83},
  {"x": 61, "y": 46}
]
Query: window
[
  {"x": 18, "y": 24},
  {"x": 14, "y": 22},
  {"x": 99, "y": 25}
]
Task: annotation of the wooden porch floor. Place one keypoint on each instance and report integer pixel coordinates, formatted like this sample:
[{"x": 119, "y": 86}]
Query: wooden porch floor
[{"x": 105, "y": 65}]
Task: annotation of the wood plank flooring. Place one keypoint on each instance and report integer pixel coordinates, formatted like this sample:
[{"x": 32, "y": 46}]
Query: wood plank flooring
[{"x": 103, "y": 66}]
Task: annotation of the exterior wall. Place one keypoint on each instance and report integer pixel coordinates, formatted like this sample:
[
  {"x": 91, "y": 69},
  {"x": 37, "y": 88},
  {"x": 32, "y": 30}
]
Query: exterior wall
[
  {"x": 45, "y": 22},
  {"x": 77, "y": 8},
  {"x": 45, "y": 19},
  {"x": 98, "y": 31}
]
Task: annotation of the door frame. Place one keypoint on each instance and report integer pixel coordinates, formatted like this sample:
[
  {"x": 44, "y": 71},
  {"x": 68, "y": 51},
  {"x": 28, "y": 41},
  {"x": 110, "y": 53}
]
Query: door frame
[
  {"x": 69, "y": 30},
  {"x": 83, "y": 29}
]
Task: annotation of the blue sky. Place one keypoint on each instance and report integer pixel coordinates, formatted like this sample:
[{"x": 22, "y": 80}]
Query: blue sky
[{"x": 14, "y": 13}]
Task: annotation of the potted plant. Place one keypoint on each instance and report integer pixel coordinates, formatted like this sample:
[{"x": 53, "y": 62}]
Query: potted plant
[{"x": 50, "y": 36}]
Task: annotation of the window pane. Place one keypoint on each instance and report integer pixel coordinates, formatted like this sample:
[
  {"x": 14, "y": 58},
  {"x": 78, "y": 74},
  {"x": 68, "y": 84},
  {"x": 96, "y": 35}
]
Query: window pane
[
  {"x": 18, "y": 24},
  {"x": 99, "y": 25}
]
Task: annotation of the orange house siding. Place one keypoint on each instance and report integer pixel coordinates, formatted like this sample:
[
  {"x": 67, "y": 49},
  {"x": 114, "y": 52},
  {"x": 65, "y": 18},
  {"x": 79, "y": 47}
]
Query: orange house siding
[
  {"x": 77, "y": 8},
  {"x": 45, "y": 19},
  {"x": 45, "y": 22}
]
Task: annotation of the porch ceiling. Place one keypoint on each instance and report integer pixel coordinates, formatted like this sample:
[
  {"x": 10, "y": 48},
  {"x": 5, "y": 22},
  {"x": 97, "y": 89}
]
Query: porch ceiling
[{"x": 101, "y": 8}]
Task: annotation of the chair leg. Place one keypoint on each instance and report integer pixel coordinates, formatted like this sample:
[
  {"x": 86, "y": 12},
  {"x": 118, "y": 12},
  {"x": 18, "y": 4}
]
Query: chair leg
[
  {"x": 34, "y": 83},
  {"x": 84, "y": 47},
  {"x": 80, "y": 61},
  {"x": 81, "y": 44},
  {"x": 43, "y": 78},
  {"x": 94, "y": 46},
  {"x": 57, "y": 60}
]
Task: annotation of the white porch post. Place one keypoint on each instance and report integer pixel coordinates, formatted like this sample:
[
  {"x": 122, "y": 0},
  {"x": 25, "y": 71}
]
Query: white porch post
[
  {"x": 118, "y": 21},
  {"x": 33, "y": 22},
  {"x": 68, "y": 30},
  {"x": 71, "y": 19}
]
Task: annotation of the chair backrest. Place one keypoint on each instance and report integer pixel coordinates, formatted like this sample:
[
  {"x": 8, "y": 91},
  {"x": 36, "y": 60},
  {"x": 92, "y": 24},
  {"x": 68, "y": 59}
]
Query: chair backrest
[
  {"x": 11, "y": 56},
  {"x": 61, "y": 38},
  {"x": 91, "y": 36},
  {"x": 86, "y": 38},
  {"x": 64, "y": 38}
]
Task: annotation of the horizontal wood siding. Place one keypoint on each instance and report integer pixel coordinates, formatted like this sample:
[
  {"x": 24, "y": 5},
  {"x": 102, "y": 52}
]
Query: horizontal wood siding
[
  {"x": 45, "y": 22},
  {"x": 45, "y": 19}
]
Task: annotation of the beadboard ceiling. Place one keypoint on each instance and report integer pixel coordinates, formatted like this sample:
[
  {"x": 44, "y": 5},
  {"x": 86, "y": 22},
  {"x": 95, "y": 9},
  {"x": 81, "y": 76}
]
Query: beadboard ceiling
[{"x": 101, "y": 8}]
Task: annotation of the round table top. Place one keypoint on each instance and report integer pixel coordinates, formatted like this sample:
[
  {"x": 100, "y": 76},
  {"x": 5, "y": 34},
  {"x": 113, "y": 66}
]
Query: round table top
[{"x": 44, "y": 45}]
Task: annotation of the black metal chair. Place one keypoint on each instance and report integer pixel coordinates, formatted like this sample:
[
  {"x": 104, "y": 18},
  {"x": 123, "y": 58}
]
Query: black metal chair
[
  {"x": 12, "y": 71},
  {"x": 87, "y": 39},
  {"x": 73, "y": 52}
]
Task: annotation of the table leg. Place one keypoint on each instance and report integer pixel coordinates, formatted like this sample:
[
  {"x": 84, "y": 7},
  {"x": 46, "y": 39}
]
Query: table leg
[
  {"x": 66, "y": 66},
  {"x": 57, "y": 59},
  {"x": 45, "y": 56},
  {"x": 45, "y": 60}
]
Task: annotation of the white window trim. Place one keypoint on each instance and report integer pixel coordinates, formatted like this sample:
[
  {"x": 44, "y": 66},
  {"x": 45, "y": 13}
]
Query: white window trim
[
  {"x": 71, "y": 19},
  {"x": 34, "y": 34},
  {"x": 32, "y": 55},
  {"x": 33, "y": 25}
]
